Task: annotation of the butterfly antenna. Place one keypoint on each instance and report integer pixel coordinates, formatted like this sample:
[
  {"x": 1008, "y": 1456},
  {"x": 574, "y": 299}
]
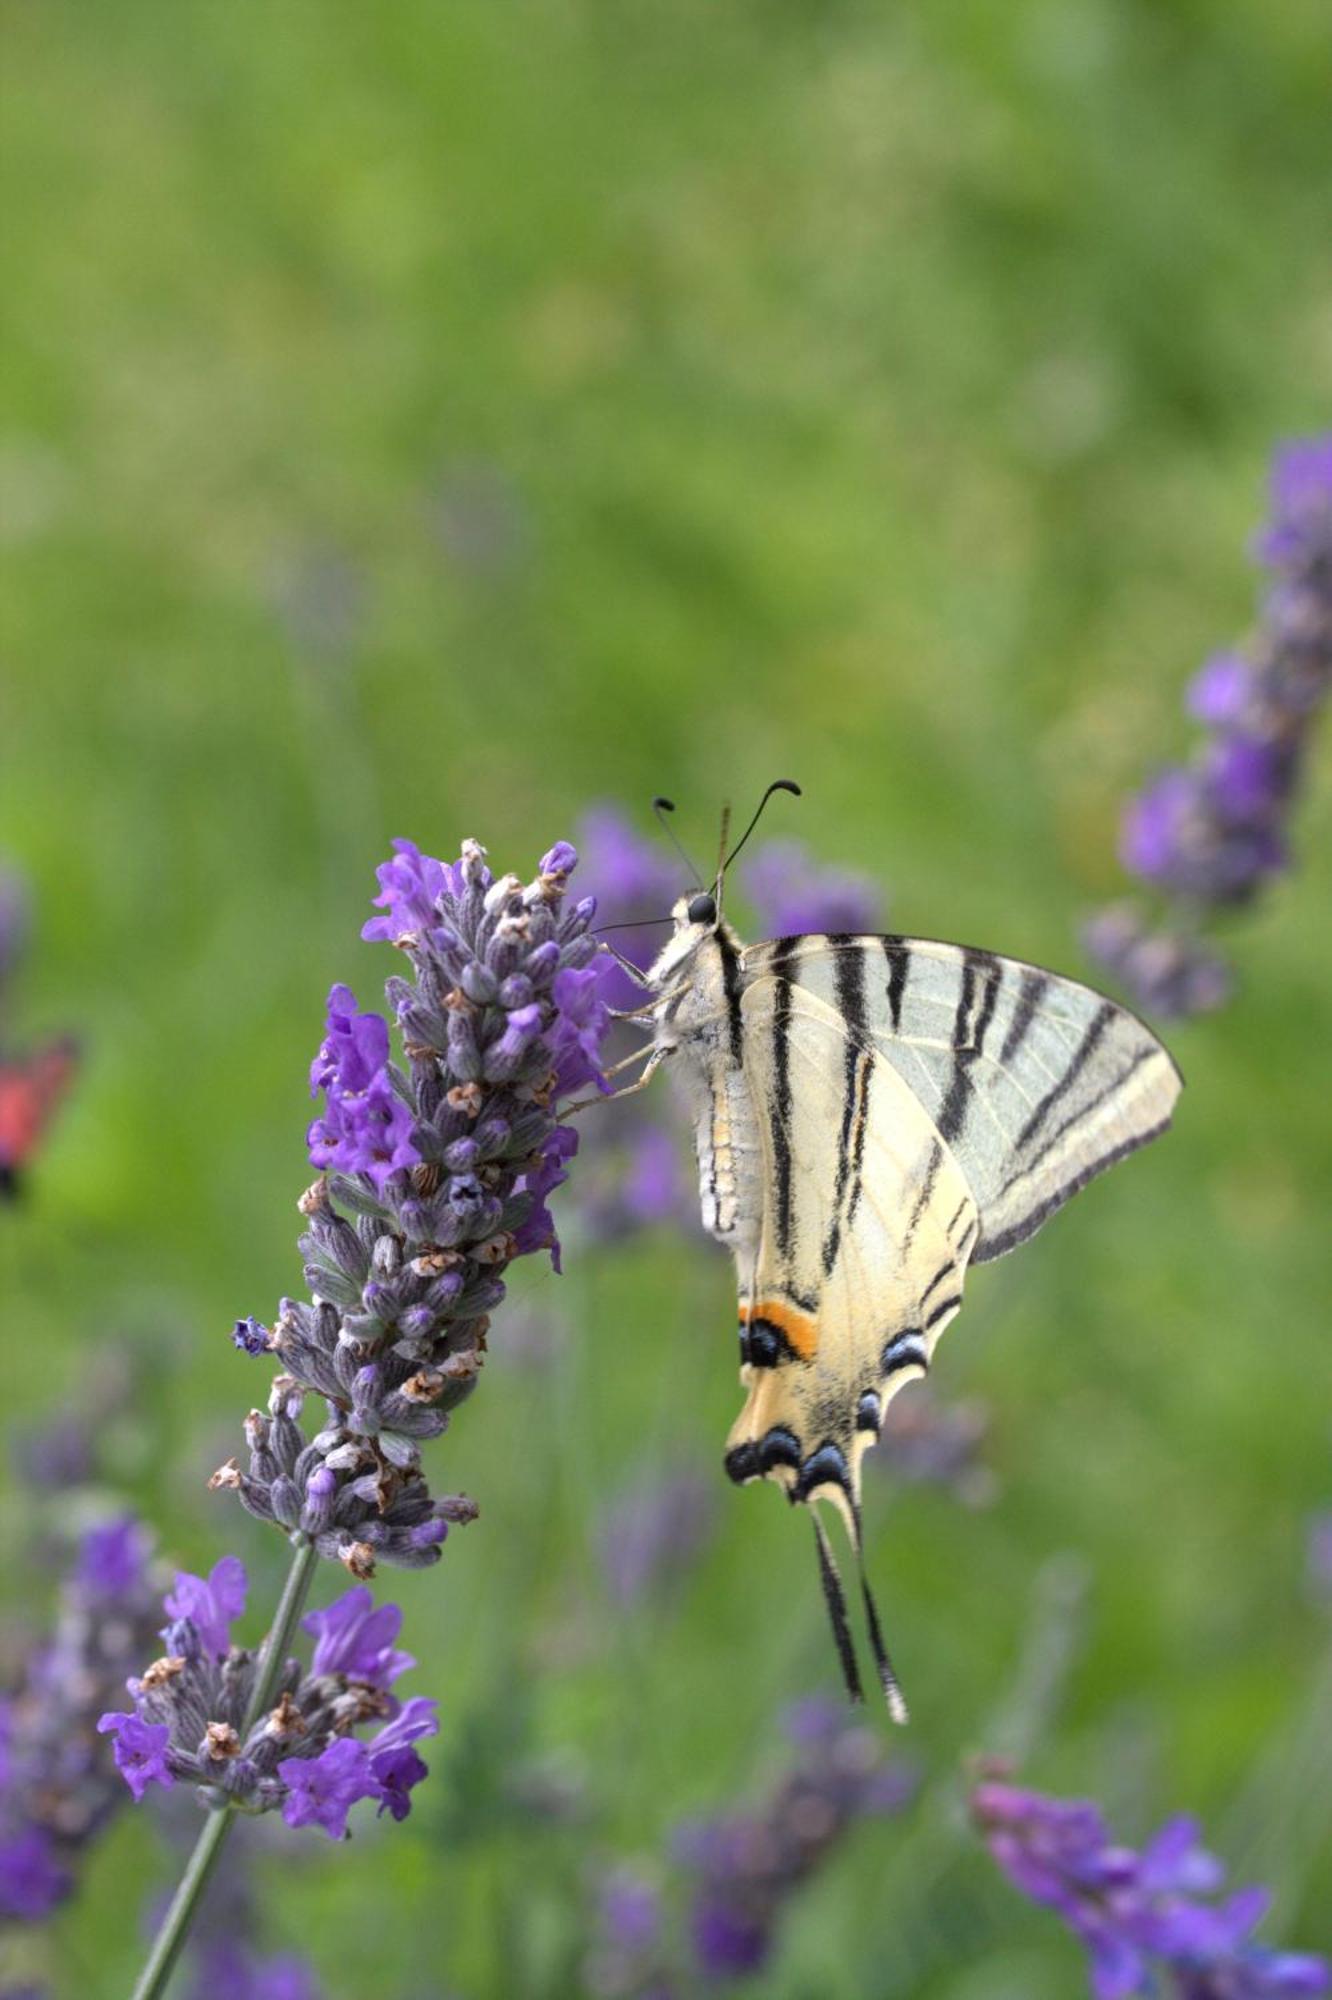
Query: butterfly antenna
[
  {"x": 835, "y": 1599},
  {"x": 659, "y": 808},
  {"x": 888, "y": 1681},
  {"x": 777, "y": 785}
]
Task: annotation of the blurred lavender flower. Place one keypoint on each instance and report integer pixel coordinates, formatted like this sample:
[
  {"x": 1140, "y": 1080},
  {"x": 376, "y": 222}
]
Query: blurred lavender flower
[
  {"x": 1319, "y": 1563},
  {"x": 1208, "y": 835},
  {"x": 745, "y": 1867},
  {"x": 436, "y": 1177},
  {"x": 226, "y": 1962},
  {"x": 653, "y": 1531},
  {"x": 225, "y": 1969},
  {"x": 188, "y": 1718},
  {"x": 14, "y": 920},
  {"x": 928, "y": 1442},
  {"x": 629, "y": 1955},
  {"x": 793, "y": 894},
  {"x": 56, "y": 1790},
  {"x": 1138, "y": 1913}
]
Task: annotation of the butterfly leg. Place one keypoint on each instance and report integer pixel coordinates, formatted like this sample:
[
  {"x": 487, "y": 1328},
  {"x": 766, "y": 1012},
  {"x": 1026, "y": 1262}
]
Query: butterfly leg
[{"x": 654, "y": 1057}]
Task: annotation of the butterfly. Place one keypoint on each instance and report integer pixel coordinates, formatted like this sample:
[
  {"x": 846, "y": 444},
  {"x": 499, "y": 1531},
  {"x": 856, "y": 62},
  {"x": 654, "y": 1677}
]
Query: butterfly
[
  {"x": 31, "y": 1087},
  {"x": 872, "y": 1116}
]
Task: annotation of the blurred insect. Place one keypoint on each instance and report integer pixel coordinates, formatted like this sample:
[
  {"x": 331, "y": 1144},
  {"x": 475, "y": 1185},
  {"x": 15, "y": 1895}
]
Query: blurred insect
[
  {"x": 31, "y": 1088},
  {"x": 872, "y": 1115}
]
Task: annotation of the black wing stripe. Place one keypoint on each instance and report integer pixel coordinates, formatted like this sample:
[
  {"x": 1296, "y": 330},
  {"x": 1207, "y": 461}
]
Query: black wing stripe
[
  {"x": 1031, "y": 992},
  {"x": 899, "y": 960},
  {"x": 953, "y": 1109},
  {"x": 1082, "y": 1055},
  {"x": 850, "y": 980},
  {"x": 782, "y": 957},
  {"x": 731, "y": 986},
  {"x": 1083, "y": 1112},
  {"x": 991, "y": 1247},
  {"x": 926, "y": 1190}
]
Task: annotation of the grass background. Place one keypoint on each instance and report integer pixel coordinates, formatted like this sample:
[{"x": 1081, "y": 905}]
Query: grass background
[{"x": 430, "y": 420}]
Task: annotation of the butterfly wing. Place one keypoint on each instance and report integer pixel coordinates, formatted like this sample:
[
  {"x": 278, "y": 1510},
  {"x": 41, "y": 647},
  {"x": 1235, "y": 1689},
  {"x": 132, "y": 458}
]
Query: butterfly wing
[
  {"x": 919, "y": 1105},
  {"x": 1034, "y": 1083},
  {"x": 866, "y": 1231},
  {"x": 31, "y": 1088}
]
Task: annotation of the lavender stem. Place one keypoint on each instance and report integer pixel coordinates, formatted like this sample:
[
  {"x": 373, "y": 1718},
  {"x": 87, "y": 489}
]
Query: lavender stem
[{"x": 176, "y": 1924}]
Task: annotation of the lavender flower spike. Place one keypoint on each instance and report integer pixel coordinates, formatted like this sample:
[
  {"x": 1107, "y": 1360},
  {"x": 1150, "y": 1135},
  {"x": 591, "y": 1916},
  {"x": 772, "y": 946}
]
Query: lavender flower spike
[
  {"x": 747, "y": 1867},
  {"x": 438, "y": 1171},
  {"x": 1208, "y": 835},
  {"x": 191, "y": 1720},
  {"x": 1138, "y": 1913},
  {"x": 57, "y": 1787}
]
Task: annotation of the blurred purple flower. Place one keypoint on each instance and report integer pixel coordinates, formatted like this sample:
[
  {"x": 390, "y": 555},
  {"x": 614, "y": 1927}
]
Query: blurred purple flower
[
  {"x": 228, "y": 1970},
  {"x": 928, "y": 1442},
  {"x": 1136, "y": 1912},
  {"x": 15, "y": 916},
  {"x": 56, "y": 1786},
  {"x": 32, "y": 1880},
  {"x": 1320, "y": 1554},
  {"x": 632, "y": 878},
  {"x": 747, "y": 1866},
  {"x": 793, "y": 894},
  {"x": 1208, "y": 835},
  {"x": 654, "y": 1531}
]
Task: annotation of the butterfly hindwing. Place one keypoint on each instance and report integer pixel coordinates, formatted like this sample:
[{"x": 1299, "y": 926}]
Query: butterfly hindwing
[{"x": 864, "y": 1239}]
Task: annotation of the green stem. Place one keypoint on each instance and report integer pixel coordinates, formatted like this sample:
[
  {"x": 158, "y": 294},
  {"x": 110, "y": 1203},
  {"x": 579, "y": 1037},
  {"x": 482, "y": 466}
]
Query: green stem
[{"x": 176, "y": 1924}]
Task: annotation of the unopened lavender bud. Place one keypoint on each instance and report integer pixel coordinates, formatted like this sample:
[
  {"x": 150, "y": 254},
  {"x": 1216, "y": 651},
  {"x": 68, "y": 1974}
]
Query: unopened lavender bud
[
  {"x": 284, "y": 1497},
  {"x": 479, "y": 983},
  {"x": 381, "y": 1301},
  {"x": 400, "y": 1451},
  {"x": 321, "y": 1490},
  {"x": 561, "y": 859},
  {"x": 501, "y": 893},
  {"x": 463, "y": 1054},
  {"x": 430, "y": 1534},
  {"x": 474, "y": 870},
  {"x": 459, "y": 1508}
]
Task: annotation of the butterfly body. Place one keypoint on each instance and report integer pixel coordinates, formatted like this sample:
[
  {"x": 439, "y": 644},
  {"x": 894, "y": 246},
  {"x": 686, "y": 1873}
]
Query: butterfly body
[{"x": 872, "y": 1114}]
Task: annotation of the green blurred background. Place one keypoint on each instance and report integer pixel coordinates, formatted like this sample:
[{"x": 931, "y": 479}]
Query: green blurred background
[{"x": 433, "y": 419}]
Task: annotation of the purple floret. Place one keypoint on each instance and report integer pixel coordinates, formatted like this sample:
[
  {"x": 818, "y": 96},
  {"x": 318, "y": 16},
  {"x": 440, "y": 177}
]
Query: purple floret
[{"x": 140, "y": 1750}]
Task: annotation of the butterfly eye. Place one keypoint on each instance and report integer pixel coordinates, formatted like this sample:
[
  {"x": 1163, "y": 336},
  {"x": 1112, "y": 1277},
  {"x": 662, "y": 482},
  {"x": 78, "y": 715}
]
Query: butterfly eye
[{"x": 702, "y": 910}]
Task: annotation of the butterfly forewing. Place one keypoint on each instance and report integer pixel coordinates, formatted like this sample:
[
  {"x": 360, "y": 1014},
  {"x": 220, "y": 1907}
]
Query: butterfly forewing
[{"x": 1033, "y": 1083}]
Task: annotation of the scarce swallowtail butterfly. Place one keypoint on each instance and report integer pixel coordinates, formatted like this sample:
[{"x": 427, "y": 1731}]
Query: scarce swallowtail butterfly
[{"x": 872, "y": 1115}]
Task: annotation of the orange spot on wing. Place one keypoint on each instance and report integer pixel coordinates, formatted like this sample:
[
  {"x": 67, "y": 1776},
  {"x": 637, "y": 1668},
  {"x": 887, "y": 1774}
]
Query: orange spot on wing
[{"x": 801, "y": 1328}]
